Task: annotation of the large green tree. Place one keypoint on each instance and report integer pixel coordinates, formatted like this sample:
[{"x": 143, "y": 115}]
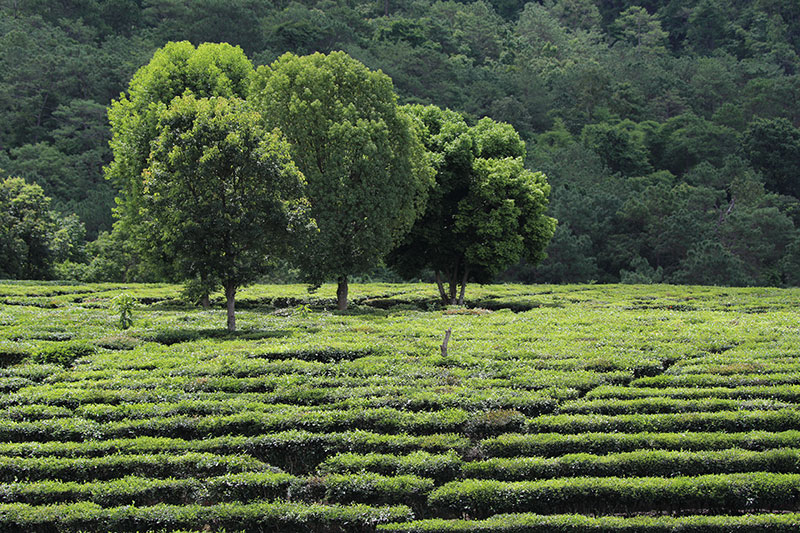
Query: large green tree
[
  {"x": 486, "y": 211},
  {"x": 366, "y": 170},
  {"x": 221, "y": 191},
  {"x": 176, "y": 69}
]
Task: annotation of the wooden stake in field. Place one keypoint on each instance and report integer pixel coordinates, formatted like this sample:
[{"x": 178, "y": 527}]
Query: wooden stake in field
[{"x": 446, "y": 339}]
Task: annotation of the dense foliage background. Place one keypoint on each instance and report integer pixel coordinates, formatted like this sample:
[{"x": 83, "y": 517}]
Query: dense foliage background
[{"x": 667, "y": 129}]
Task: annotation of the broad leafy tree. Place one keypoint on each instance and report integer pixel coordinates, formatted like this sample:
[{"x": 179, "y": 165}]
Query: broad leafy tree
[
  {"x": 708, "y": 26},
  {"x": 221, "y": 192},
  {"x": 486, "y": 211},
  {"x": 621, "y": 147},
  {"x": 636, "y": 26},
  {"x": 177, "y": 68},
  {"x": 688, "y": 140},
  {"x": 366, "y": 170}
]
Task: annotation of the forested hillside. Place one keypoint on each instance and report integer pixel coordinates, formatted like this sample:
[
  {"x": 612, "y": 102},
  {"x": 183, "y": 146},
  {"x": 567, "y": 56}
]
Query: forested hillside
[{"x": 668, "y": 130}]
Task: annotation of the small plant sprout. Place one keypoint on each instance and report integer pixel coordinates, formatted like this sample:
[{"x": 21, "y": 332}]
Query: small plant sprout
[
  {"x": 124, "y": 304},
  {"x": 302, "y": 311}
]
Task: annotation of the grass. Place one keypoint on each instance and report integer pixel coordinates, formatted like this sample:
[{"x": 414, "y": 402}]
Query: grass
[{"x": 310, "y": 419}]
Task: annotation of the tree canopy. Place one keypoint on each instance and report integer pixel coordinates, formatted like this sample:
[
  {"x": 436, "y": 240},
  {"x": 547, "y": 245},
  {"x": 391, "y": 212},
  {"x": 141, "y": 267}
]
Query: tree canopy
[
  {"x": 366, "y": 170},
  {"x": 33, "y": 237},
  {"x": 175, "y": 70},
  {"x": 486, "y": 211},
  {"x": 221, "y": 192}
]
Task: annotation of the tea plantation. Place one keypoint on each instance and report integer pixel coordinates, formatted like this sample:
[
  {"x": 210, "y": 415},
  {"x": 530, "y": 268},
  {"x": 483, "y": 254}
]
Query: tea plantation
[{"x": 556, "y": 409}]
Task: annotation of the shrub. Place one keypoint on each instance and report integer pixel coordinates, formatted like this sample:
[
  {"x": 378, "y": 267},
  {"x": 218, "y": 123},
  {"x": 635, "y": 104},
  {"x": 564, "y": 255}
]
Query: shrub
[
  {"x": 277, "y": 517},
  {"x": 731, "y": 421},
  {"x": 106, "y": 467},
  {"x": 637, "y": 463},
  {"x": 118, "y": 342},
  {"x": 64, "y": 354},
  {"x": 11, "y": 354},
  {"x": 731, "y": 492},
  {"x": 442, "y": 467},
  {"x": 555, "y": 444},
  {"x": 169, "y": 337},
  {"x": 494, "y": 422},
  {"x": 124, "y": 304}
]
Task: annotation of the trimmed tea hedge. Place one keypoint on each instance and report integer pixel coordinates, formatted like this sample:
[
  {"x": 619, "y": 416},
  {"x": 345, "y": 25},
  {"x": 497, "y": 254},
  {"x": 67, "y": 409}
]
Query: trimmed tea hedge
[
  {"x": 624, "y": 404},
  {"x": 182, "y": 465},
  {"x": 533, "y": 523},
  {"x": 555, "y": 444},
  {"x": 639, "y": 463},
  {"x": 717, "y": 493},
  {"x": 267, "y": 517}
]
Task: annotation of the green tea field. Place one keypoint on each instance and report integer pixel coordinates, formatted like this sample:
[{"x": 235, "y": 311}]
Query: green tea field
[{"x": 555, "y": 409}]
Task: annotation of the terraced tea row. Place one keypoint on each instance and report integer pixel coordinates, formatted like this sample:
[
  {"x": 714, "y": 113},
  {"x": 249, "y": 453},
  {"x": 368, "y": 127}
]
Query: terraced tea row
[
  {"x": 593, "y": 412},
  {"x": 441, "y": 467}
]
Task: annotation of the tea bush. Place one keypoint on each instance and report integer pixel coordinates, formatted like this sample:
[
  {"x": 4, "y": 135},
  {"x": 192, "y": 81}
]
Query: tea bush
[
  {"x": 63, "y": 354},
  {"x": 603, "y": 408}
]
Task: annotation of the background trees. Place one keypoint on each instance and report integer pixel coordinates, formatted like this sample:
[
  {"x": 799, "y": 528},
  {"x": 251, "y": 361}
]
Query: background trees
[
  {"x": 33, "y": 237},
  {"x": 773, "y": 148},
  {"x": 687, "y": 85},
  {"x": 26, "y": 230}
]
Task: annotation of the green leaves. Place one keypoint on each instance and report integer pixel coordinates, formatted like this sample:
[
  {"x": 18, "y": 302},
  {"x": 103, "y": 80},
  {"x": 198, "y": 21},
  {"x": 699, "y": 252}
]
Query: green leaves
[
  {"x": 723, "y": 492},
  {"x": 486, "y": 210},
  {"x": 125, "y": 304},
  {"x": 367, "y": 173},
  {"x": 221, "y": 190},
  {"x": 28, "y": 231}
]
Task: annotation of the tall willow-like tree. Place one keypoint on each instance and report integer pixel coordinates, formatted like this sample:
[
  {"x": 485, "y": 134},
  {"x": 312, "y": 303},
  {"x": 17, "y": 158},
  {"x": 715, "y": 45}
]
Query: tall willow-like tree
[
  {"x": 366, "y": 170},
  {"x": 486, "y": 210},
  {"x": 221, "y": 192}
]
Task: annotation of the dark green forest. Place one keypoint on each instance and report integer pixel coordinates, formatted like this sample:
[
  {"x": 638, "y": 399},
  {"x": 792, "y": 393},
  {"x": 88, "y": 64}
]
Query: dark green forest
[{"x": 669, "y": 131}]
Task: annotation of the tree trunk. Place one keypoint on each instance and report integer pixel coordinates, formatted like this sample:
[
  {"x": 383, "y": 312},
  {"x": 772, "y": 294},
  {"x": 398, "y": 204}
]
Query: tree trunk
[
  {"x": 463, "y": 286},
  {"x": 230, "y": 296},
  {"x": 453, "y": 286},
  {"x": 205, "y": 291},
  {"x": 341, "y": 294},
  {"x": 442, "y": 294}
]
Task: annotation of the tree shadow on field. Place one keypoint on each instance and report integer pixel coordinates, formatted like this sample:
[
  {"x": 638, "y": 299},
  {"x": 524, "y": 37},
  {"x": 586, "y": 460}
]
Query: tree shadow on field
[
  {"x": 322, "y": 355},
  {"x": 518, "y": 306},
  {"x": 363, "y": 311},
  {"x": 169, "y": 337}
]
